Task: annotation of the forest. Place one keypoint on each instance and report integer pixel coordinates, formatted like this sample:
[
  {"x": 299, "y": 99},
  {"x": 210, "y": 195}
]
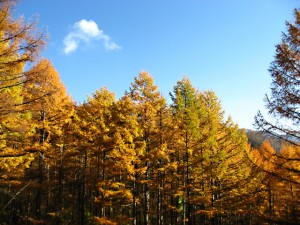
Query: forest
[{"x": 138, "y": 160}]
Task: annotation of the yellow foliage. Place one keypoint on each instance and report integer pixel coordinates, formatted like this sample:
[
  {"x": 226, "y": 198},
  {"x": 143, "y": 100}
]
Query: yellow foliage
[{"x": 103, "y": 221}]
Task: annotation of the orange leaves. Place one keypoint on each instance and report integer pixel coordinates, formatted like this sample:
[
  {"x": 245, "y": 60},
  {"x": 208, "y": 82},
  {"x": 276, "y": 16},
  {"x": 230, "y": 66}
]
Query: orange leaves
[
  {"x": 44, "y": 86},
  {"x": 104, "y": 221},
  {"x": 283, "y": 165},
  {"x": 14, "y": 36},
  {"x": 114, "y": 191}
]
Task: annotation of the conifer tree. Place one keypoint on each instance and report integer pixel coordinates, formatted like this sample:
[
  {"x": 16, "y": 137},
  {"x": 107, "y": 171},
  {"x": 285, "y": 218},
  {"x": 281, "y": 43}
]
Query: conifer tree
[
  {"x": 108, "y": 133},
  {"x": 19, "y": 44},
  {"x": 283, "y": 102},
  {"x": 148, "y": 103},
  {"x": 186, "y": 112},
  {"x": 284, "y": 99},
  {"x": 51, "y": 108}
]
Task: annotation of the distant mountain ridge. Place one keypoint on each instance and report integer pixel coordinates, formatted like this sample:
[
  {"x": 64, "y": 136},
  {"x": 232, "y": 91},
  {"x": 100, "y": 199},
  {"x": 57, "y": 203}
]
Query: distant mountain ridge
[{"x": 256, "y": 138}]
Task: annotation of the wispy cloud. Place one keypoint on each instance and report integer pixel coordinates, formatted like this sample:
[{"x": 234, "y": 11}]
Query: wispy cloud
[{"x": 85, "y": 31}]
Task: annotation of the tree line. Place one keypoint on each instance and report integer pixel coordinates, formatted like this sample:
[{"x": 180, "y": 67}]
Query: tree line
[{"x": 133, "y": 160}]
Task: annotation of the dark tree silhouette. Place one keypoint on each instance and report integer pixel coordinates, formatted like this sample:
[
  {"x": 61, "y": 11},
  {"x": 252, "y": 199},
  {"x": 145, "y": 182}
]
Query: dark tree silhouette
[{"x": 283, "y": 104}]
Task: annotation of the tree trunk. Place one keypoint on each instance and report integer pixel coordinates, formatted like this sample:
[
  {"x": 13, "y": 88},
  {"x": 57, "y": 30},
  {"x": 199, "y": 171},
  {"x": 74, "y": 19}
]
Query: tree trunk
[
  {"x": 41, "y": 167},
  {"x": 134, "y": 192}
]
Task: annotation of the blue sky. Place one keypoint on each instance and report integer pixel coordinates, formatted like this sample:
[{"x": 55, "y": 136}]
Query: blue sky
[{"x": 222, "y": 45}]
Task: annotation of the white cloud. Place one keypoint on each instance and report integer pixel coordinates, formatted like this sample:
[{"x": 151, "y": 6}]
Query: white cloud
[
  {"x": 90, "y": 28},
  {"x": 70, "y": 43},
  {"x": 85, "y": 31}
]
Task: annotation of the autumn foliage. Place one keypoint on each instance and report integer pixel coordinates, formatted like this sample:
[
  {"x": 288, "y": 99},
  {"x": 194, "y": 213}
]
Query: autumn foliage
[{"x": 133, "y": 160}]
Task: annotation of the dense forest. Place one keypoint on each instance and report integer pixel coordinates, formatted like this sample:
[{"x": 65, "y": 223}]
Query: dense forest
[{"x": 136, "y": 159}]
